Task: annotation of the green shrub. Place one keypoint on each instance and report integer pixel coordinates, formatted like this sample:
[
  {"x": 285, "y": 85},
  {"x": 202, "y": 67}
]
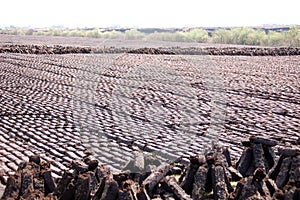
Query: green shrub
[
  {"x": 243, "y": 35},
  {"x": 114, "y": 35},
  {"x": 292, "y": 37},
  {"x": 196, "y": 35},
  {"x": 275, "y": 39},
  {"x": 95, "y": 33},
  {"x": 162, "y": 36},
  {"x": 257, "y": 37},
  {"x": 134, "y": 34},
  {"x": 29, "y": 32},
  {"x": 222, "y": 36}
]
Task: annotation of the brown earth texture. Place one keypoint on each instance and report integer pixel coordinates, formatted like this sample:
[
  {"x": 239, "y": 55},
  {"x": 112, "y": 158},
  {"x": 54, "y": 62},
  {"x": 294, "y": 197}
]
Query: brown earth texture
[{"x": 211, "y": 115}]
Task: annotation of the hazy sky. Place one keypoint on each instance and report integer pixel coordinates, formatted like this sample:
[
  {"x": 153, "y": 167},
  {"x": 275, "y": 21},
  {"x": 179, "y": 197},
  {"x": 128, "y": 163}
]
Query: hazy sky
[{"x": 150, "y": 13}]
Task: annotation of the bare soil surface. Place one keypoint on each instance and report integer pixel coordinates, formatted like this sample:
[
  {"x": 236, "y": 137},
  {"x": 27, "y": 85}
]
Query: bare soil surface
[
  {"x": 168, "y": 105},
  {"x": 118, "y": 100}
]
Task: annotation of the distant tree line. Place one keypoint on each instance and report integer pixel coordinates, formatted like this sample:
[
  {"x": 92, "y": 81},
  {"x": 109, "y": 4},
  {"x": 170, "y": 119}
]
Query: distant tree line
[{"x": 242, "y": 35}]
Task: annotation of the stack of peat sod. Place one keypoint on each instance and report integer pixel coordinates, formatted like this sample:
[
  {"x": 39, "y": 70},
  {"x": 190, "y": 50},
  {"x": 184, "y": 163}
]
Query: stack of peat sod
[
  {"x": 257, "y": 175},
  {"x": 151, "y": 51},
  {"x": 43, "y": 49},
  {"x": 265, "y": 178},
  {"x": 229, "y": 51},
  {"x": 253, "y": 51},
  {"x": 216, "y": 51}
]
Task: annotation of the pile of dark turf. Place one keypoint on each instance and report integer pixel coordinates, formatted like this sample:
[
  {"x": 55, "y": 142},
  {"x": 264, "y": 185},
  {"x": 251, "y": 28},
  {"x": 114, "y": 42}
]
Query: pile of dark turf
[
  {"x": 219, "y": 51},
  {"x": 43, "y": 49},
  {"x": 257, "y": 174},
  {"x": 151, "y": 51},
  {"x": 228, "y": 51},
  {"x": 253, "y": 51}
]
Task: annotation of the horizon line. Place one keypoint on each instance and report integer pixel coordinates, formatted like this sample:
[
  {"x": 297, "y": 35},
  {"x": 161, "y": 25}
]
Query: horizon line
[{"x": 137, "y": 27}]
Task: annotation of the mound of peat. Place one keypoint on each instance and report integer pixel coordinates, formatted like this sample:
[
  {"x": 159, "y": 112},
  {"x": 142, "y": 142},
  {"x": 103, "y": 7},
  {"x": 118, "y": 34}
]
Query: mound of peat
[
  {"x": 253, "y": 51},
  {"x": 151, "y": 51},
  {"x": 42, "y": 49},
  {"x": 257, "y": 173},
  {"x": 230, "y": 51}
]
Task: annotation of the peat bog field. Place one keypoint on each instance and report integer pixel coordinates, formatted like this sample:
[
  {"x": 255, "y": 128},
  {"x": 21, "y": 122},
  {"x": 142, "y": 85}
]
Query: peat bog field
[{"x": 118, "y": 105}]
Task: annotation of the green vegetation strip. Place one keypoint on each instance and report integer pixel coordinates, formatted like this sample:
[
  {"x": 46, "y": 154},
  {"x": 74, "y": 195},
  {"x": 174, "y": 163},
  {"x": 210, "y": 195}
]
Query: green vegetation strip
[{"x": 240, "y": 35}]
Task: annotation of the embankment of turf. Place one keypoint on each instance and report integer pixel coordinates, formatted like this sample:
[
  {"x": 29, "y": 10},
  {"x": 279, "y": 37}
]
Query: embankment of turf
[{"x": 229, "y": 51}]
